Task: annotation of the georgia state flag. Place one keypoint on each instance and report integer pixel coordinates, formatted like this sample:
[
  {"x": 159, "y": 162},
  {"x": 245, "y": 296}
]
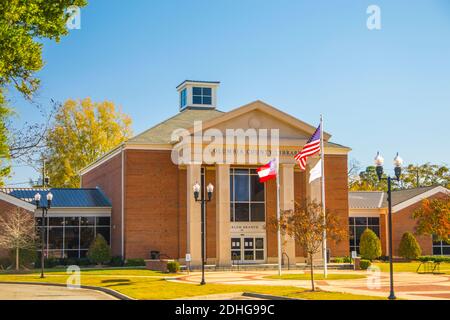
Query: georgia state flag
[{"x": 267, "y": 171}]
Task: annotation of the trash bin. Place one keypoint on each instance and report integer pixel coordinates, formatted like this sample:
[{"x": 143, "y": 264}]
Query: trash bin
[{"x": 154, "y": 255}]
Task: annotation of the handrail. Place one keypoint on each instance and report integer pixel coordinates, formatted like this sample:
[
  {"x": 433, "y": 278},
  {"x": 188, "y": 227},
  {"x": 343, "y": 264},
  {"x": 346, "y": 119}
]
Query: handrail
[{"x": 282, "y": 259}]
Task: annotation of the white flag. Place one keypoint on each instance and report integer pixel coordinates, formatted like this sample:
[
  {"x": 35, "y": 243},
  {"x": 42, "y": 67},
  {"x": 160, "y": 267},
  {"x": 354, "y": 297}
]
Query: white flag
[{"x": 316, "y": 172}]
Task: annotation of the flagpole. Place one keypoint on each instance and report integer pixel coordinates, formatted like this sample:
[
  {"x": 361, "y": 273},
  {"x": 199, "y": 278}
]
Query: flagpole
[
  {"x": 278, "y": 214},
  {"x": 324, "y": 243}
]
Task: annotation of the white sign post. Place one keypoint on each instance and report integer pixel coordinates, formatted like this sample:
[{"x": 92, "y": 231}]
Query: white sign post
[
  {"x": 354, "y": 256},
  {"x": 188, "y": 262}
]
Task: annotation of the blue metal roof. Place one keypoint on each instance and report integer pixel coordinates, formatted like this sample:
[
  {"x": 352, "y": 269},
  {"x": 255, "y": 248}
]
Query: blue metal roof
[{"x": 63, "y": 197}]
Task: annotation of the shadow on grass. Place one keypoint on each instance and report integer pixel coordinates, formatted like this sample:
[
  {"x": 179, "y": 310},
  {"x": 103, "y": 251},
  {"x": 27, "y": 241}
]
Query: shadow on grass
[{"x": 128, "y": 281}]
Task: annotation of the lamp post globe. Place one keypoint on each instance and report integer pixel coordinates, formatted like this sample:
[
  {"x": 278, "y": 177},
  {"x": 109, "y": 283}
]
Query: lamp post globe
[
  {"x": 196, "y": 188},
  {"x": 379, "y": 161},
  {"x": 210, "y": 190},
  {"x": 37, "y": 198},
  {"x": 49, "y": 199},
  {"x": 398, "y": 163}
]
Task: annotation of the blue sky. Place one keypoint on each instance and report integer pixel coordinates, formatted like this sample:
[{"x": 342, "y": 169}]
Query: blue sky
[{"x": 386, "y": 90}]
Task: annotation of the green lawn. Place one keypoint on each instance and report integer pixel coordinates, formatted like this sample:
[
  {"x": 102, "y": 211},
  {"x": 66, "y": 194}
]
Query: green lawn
[
  {"x": 408, "y": 267},
  {"x": 146, "y": 284},
  {"x": 317, "y": 276}
]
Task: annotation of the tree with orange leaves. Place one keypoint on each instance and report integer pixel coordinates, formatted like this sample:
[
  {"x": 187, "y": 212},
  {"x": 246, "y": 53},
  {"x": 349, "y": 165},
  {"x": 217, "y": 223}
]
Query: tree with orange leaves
[
  {"x": 433, "y": 218},
  {"x": 306, "y": 225}
]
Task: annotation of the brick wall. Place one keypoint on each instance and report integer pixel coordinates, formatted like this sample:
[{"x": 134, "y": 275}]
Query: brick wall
[
  {"x": 271, "y": 213},
  {"x": 336, "y": 191},
  {"x": 151, "y": 206},
  {"x": 402, "y": 221},
  {"x": 108, "y": 177},
  {"x": 210, "y": 217},
  {"x": 299, "y": 197}
]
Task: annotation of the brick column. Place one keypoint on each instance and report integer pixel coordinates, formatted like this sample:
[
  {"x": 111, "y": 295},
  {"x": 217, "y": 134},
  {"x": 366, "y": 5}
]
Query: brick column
[
  {"x": 193, "y": 212},
  {"x": 222, "y": 194},
  {"x": 287, "y": 203}
]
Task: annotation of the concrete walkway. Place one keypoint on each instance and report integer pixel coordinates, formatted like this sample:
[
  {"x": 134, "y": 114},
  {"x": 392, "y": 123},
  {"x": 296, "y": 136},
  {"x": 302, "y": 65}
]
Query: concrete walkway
[
  {"x": 42, "y": 292},
  {"x": 408, "y": 285}
]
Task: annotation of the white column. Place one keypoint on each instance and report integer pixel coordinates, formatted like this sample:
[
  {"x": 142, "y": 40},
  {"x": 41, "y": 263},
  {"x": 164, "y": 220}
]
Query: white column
[
  {"x": 287, "y": 203},
  {"x": 193, "y": 230},
  {"x": 223, "y": 225}
]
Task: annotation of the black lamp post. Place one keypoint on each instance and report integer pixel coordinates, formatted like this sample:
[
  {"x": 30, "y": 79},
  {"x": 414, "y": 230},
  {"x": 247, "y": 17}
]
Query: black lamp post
[
  {"x": 37, "y": 199},
  {"x": 398, "y": 162},
  {"x": 210, "y": 190}
]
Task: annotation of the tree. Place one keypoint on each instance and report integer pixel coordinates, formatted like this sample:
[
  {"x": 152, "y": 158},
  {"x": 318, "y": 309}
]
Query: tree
[
  {"x": 99, "y": 251},
  {"x": 433, "y": 218},
  {"x": 425, "y": 175},
  {"x": 409, "y": 248},
  {"x": 306, "y": 225},
  {"x": 17, "y": 232},
  {"x": 369, "y": 245},
  {"x": 413, "y": 176},
  {"x": 367, "y": 180},
  {"x": 5, "y": 167},
  {"x": 81, "y": 133},
  {"x": 23, "y": 25}
]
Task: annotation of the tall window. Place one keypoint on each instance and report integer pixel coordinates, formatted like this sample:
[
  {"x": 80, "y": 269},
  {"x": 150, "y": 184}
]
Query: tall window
[
  {"x": 357, "y": 226},
  {"x": 247, "y": 196},
  {"x": 201, "y": 95},
  {"x": 70, "y": 237},
  {"x": 440, "y": 248},
  {"x": 183, "y": 98}
]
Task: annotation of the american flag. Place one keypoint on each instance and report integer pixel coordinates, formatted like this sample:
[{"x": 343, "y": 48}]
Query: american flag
[{"x": 310, "y": 148}]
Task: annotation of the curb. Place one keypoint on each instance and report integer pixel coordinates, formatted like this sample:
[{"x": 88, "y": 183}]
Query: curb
[
  {"x": 267, "y": 296},
  {"x": 108, "y": 291}
]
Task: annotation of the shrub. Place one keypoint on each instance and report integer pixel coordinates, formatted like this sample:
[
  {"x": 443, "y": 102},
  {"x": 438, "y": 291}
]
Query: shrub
[
  {"x": 337, "y": 260},
  {"x": 364, "y": 264},
  {"x": 134, "y": 262},
  {"x": 347, "y": 260},
  {"x": 409, "y": 248},
  {"x": 434, "y": 259},
  {"x": 369, "y": 245},
  {"x": 173, "y": 266},
  {"x": 116, "y": 261},
  {"x": 99, "y": 251}
]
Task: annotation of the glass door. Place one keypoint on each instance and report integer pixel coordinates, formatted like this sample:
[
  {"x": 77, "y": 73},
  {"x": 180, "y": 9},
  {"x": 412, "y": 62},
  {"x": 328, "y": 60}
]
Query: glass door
[{"x": 247, "y": 249}]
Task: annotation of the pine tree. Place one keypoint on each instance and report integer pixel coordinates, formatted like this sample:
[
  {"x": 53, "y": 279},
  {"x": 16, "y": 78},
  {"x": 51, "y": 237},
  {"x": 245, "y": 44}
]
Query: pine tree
[
  {"x": 409, "y": 248},
  {"x": 369, "y": 245}
]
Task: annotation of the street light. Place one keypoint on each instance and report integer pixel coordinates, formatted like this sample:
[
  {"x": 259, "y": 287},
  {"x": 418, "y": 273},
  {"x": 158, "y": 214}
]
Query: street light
[
  {"x": 398, "y": 162},
  {"x": 209, "y": 189},
  {"x": 37, "y": 199}
]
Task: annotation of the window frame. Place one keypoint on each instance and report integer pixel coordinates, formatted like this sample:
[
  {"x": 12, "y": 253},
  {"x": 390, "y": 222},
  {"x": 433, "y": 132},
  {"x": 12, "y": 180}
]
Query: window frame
[
  {"x": 202, "y": 96},
  {"x": 352, "y": 225},
  {"x": 233, "y": 202}
]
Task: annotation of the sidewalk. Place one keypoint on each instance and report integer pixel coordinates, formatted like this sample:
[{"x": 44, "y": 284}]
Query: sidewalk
[{"x": 408, "y": 285}]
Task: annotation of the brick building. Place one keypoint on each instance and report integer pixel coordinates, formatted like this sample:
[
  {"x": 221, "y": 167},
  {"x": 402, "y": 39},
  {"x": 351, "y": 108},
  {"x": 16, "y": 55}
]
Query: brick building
[
  {"x": 370, "y": 209},
  {"x": 153, "y": 207}
]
